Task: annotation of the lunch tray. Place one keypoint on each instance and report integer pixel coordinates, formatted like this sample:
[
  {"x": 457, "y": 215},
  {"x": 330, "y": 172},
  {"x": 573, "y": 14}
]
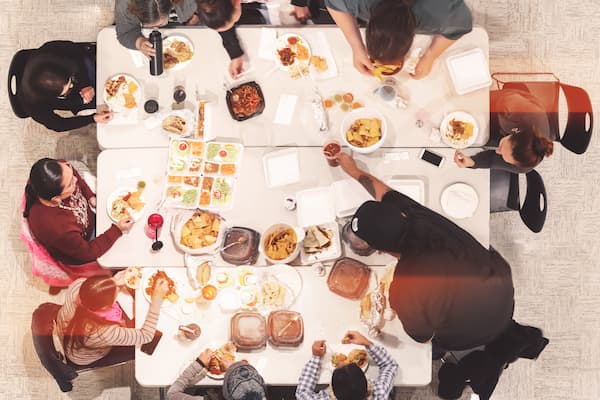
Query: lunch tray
[{"x": 260, "y": 108}]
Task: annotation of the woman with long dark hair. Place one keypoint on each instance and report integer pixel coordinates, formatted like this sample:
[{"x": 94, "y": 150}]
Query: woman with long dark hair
[
  {"x": 392, "y": 25},
  {"x": 133, "y": 15},
  {"x": 59, "y": 212},
  {"x": 92, "y": 326},
  {"x": 60, "y": 75}
]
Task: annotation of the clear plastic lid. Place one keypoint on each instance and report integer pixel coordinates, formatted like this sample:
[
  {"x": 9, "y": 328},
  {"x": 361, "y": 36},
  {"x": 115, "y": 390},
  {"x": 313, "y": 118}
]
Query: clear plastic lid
[
  {"x": 248, "y": 330},
  {"x": 286, "y": 328},
  {"x": 349, "y": 278}
]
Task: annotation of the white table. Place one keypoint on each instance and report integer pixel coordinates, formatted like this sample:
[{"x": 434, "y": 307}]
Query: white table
[
  {"x": 429, "y": 99},
  {"x": 256, "y": 206},
  {"x": 277, "y": 366}
]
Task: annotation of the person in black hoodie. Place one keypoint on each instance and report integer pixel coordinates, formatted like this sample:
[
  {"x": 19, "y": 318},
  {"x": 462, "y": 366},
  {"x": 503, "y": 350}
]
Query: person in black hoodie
[{"x": 60, "y": 75}]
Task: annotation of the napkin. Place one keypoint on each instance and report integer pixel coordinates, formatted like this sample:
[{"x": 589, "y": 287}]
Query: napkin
[
  {"x": 267, "y": 44},
  {"x": 138, "y": 58},
  {"x": 322, "y": 49},
  {"x": 285, "y": 109},
  {"x": 125, "y": 117}
]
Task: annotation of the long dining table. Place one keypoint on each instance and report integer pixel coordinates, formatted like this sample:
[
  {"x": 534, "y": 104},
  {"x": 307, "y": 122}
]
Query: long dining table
[{"x": 134, "y": 152}]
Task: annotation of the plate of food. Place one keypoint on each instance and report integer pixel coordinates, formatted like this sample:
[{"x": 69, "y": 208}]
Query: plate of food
[
  {"x": 459, "y": 130},
  {"x": 122, "y": 92},
  {"x": 245, "y": 101},
  {"x": 292, "y": 49},
  {"x": 197, "y": 232},
  {"x": 199, "y": 270},
  {"x": 126, "y": 202},
  {"x": 149, "y": 276},
  {"x": 177, "y": 52},
  {"x": 280, "y": 243},
  {"x": 178, "y": 123},
  {"x": 364, "y": 130},
  {"x": 133, "y": 277},
  {"x": 343, "y": 354},
  {"x": 228, "y": 351}
]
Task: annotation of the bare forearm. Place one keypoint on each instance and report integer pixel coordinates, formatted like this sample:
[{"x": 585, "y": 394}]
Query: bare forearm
[
  {"x": 374, "y": 186},
  {"x": 439, "y": 44},
  {"x": 347, "y": 23}
]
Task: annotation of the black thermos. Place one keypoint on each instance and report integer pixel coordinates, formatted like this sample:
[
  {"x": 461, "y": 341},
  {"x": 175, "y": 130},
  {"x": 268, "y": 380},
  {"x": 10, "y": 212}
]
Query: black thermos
[{"x": 156, "y": 62}]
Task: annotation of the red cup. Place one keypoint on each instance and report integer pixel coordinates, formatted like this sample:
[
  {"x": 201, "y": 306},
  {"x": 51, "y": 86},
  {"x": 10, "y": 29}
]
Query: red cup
[
  {"x": 154, "y": 226},
  {"x": 331, "y": 148}
]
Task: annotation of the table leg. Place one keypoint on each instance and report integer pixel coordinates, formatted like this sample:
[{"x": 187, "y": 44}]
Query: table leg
[{"x": 161, "y": 393}]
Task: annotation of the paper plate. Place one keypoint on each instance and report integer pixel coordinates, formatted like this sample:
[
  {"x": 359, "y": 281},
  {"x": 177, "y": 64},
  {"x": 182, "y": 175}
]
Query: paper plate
[
  {"x": 282, "y": 42},
  {"x": 119, "y": 193},
  {"x": 333, "y": 348},
  {"x": 459, "y": 200},
  {"x": 445, "y": 131},
  {"x": 179, "y": 286},
  {"x": 172, "y": 39},
  {"x": 118, "y": 101}
]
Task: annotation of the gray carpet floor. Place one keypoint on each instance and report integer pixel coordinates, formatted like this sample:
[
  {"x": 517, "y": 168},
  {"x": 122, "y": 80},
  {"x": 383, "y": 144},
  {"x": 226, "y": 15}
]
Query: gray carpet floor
[{"x": 556, "y": 272}]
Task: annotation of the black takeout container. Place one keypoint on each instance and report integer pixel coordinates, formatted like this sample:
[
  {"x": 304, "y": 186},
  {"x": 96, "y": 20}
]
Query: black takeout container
[{"x": 241, "y": 117}]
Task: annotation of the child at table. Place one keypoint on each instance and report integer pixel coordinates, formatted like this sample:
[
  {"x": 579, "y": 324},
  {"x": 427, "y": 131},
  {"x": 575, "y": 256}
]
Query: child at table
[{"x": 348, "y": 382}]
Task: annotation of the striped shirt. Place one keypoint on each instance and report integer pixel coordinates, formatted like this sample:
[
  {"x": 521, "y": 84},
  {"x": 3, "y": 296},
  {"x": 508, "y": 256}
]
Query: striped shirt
[
  {"x": 379, "y": 389},
  {"x": 99, "y": 342}
]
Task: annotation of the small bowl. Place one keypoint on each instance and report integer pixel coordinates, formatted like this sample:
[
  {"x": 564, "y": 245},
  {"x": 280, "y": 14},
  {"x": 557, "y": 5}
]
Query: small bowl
[
  {"x": 272, "y": 229},
  {"x": 363, "y": 112}
]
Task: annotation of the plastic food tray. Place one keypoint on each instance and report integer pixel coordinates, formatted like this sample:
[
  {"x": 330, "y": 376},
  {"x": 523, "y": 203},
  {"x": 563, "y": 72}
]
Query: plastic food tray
[
  {"x": 259, "y": 109},
  {"x": 349, "y": 278}
]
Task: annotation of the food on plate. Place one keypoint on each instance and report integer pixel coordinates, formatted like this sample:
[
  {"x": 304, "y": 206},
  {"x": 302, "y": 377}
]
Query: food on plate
[
  {"x": 174, "y": 124},
  {"x": 225, "y": 352},
  {"x": 298, "y": 70},
  {"x": 224, "y": 279},
  {"x": 356, "y": 356},
  {"x": 249, "y": 297},
  {"x": 204, "y": 198},
  {"x": 180, "y": 147},
  {"x": 459, "y": 130},
  {"x": 176, "y": 53},
  {"x": 171, "y": 295},
  {"x": 120, "y": 85},
  {"x": 339, "y": 359},
  {"x": 207, "y": 183},
  {"x": 302, "y": 52},
  {"x": 177, "y": 165},
  {"x": 133, "y": 277},
  {"x": 203, "y": 273},
  {"x": 364, "y": 132},
  {"x": 209, "y": 292},
  {"x": 195, "y": 164},
  {"x": 127, "y": 203},
  {"x": 112, "y": 86},
  {"x": 201, "y": 115},
  {"x": 227, "y": 152},
  {"x": 286, "y": 56},
  {"x": 246, "y": 277},
  {"x": 317, "y": 239},
  {"x": 280, "y": 244},
  {"x": 211, "y": 168},
  {"x": 319, "y": 63},
  {"x": 174, "y": 192},
  {"x": 221, "y": 192},
  {"x": 189, "y": 197},
  {"x": 273, "y": 293},
  {"x": 228, "y": 169},
  {"x": 174, "y": 180},
  {"x": 201, "y": 230},
  {"x": 245, "y": 100},
  {"x": 191, "y": 180},
  {"x": 197, "y": 148}
]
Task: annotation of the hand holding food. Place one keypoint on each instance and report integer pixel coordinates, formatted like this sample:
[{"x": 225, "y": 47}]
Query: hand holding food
[
  {"x": 205, "y": 356},
  {"x": 160, "y": 286},
  {"x": 318, "y": 348},
  {"x": 125, "y": 224},
  {"x": 462, "y": 160},
  {"x": 160, "y": 290},
  {"x": 362, "y": 62},
  {"x": 354, "y": 337}
]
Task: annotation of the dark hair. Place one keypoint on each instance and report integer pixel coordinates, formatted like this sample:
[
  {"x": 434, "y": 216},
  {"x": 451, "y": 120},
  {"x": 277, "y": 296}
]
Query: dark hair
[
  {"x": 45, "y": 181},
  {"x": 390, "y": 30},
  {"x": 95, "y": 294},
  {"x": 530, "y": 147},
  {"x": 215, "y": 13},
  {"x": 349, "y": 383},
  {"x": 150, "y": 10},
  {"x": 45, "y": 76}
]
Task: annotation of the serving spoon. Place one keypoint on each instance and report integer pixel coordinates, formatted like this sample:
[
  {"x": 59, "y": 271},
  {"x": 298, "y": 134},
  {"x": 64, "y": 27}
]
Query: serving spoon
[{"x": 241, "y": 240}]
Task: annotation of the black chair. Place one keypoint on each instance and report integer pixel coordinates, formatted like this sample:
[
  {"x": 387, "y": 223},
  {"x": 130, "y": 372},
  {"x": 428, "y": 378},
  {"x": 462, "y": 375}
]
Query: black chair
[
  {"x": 42, "y": 323},
  {"x": 504, "y": 196},
  {"x": 580, "y": 121}
]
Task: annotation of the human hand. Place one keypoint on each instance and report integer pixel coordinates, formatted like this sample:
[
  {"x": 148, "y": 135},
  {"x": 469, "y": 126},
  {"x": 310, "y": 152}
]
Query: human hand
[
  {"x": 347, "y": 163},
  {"x": 103, "y": 117},
  {"x": 160, "y": 289},
  {"x": 225, "y": 363},
  {"x": 119, "y": 278},
  {"x": 125, "y": 224},
  {"x": 302, "y": 14},
  {"x": 463, "y": 161},
  {"x": 362, "y": 62},
  {"x": 87, "y": 94},
  {"x": 318, "y": 348},
  {"x": 92, "y": 201},
  {"x": 236, "y": 67},
  {"x": 423, "y": 67},
  {"x": 144, "y": 45},
  {"x": 195, "y": 20},
  {"x": 205, "y": 356},
  {"x": 355, "y": 337}
]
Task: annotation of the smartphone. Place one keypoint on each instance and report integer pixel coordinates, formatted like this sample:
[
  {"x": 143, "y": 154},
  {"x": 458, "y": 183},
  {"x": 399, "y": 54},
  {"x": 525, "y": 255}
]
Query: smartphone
[
  {"x": 432, "y": 158},
  {"x": 149, "y": 347}
]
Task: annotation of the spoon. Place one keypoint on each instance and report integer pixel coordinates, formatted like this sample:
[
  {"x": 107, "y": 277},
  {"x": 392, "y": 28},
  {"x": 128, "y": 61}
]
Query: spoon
[
  {"x": 157, "y": 244},
  {"x": 241, "y": 240}
]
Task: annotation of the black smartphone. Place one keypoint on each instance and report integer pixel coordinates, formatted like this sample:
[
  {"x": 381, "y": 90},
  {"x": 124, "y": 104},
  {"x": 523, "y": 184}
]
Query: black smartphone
[
  {"x": 149, "y": 347},
  {"x": 431, "y": 157}
]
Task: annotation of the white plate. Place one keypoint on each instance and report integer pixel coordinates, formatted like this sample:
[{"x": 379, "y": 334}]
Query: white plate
[
  {"x": 169, "y": 40},
  {"x": 283, "y": 43},
  {"x": 461, "y": 116},
  {"x": 286, "y": 276},
  {"x": 188, "y": 116},
  {"x": 459, "y": 200},
  {"x": 214, "y": 346},
  {"x": 332, "y": 252},
  {"x": 118, "y": 193},
  {"x": 179, "y": 287},
  {"x": 117, "y": 102},
  {"x": 363, "y": 112},
  {"x": 281, "y": 167},
  {"x": 333, "y": 348}
]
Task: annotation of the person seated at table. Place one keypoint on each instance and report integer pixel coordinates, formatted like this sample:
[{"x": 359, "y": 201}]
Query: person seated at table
[
  {"x": 133, "y": 15},
  {"x": 348, "y": 381},
  {"x": 91, "y": 325},
  {"x": 61, "y": 75},
  {"x": 222, "y": 16},
  {"x": 447, "y": 288},
  {"x": 519, "y": 125},
  {"x": 241, "y": 381},
  {"x": 392, "y": 25},
  {"x": 59, "y": 209}
]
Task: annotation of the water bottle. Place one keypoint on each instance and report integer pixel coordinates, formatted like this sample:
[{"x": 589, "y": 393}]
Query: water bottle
[{"x": 156, "y": 62}]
